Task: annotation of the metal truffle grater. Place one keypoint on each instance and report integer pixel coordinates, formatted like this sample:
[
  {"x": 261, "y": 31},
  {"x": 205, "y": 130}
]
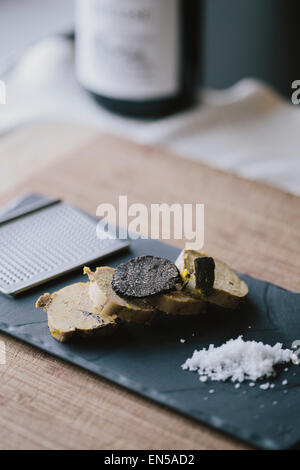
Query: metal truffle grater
[{"x": 42, "y": 238}]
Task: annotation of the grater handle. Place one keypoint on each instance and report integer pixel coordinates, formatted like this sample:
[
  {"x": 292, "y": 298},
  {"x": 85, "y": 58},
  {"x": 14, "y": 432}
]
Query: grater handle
[{"x": 30, "y": 208}]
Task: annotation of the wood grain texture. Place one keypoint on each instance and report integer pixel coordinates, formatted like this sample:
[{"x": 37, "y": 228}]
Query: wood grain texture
[
  {"x": 34, "y": 147},
  {"x": 46, "y": 403}
]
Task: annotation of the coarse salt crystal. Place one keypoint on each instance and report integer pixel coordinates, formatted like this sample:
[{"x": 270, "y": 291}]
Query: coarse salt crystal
[
  {"x": 238, "y": 360},
  {"x": 203, "y": 378},
  {"x": 265, "y": 386},
  {"x": 284, "y": 382},
  {"x": 182, "y": 340}
]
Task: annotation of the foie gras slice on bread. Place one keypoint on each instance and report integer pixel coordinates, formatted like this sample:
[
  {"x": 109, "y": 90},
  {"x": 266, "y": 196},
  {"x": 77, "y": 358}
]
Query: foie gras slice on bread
[
  {"x": 70, "y": 312},
  {"x": 178, "y": 302},
  {"x": 226, "y": 290},
  {"x": 104, "y": 297}
]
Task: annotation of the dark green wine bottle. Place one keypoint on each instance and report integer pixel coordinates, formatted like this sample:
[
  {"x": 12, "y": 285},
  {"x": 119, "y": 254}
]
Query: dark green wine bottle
[{"x": 139, "y": 57}]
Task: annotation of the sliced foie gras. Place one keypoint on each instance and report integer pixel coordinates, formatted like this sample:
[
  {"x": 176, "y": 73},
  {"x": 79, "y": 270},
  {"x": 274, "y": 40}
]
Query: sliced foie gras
[
  {"x": 70, "y": 312},
  {"x": 103, "y": 296},
  {"x": 178, "y": 302},
  {"x": 228, "y": 289}
]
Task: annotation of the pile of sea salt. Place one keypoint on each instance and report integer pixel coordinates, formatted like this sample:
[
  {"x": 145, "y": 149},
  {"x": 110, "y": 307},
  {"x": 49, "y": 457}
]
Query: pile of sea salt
[{"x": 238, "y": 360}]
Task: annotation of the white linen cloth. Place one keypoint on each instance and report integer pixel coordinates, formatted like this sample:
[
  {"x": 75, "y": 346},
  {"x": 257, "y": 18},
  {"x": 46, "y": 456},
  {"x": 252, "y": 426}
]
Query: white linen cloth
[{"x": 247, "y": 129}]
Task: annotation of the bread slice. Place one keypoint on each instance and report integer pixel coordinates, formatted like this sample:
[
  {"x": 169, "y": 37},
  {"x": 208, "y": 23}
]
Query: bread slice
[
  {"x": 70, "y": 312},
  {"x": 228, "y": 288},
  {"x": 104, "y": 297},
  {"x": 178, "y": 302}
]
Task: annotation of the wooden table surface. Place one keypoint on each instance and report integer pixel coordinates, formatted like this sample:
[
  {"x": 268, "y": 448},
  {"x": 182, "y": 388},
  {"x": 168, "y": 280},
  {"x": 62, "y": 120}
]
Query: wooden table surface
[{"x": 46, "y": 403}]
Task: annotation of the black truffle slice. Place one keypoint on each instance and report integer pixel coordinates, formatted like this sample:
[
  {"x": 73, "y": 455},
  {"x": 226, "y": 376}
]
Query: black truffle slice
[
  {"x": 205, "y": 274},
  {"x": 144, "y": 276}
]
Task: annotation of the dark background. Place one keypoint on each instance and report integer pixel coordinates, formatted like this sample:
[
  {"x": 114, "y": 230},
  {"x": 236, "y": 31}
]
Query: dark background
[{"x": 251, "y": 38}]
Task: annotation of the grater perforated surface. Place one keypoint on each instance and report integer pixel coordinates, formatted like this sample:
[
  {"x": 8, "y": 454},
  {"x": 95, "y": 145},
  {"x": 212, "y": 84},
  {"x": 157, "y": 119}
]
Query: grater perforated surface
[{"x": 42, "y": 245}]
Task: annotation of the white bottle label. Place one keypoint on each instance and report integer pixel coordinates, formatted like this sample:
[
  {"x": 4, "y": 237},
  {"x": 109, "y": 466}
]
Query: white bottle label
[{"x": 128, "y": 49}]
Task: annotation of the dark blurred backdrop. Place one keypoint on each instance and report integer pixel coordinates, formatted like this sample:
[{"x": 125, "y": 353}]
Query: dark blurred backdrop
[{"x": 251, "y": 38}]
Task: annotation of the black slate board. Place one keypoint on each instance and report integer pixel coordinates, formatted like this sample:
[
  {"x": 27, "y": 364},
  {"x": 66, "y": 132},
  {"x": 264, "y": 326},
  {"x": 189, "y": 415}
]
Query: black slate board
[{"x": 147, "y": 360}]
